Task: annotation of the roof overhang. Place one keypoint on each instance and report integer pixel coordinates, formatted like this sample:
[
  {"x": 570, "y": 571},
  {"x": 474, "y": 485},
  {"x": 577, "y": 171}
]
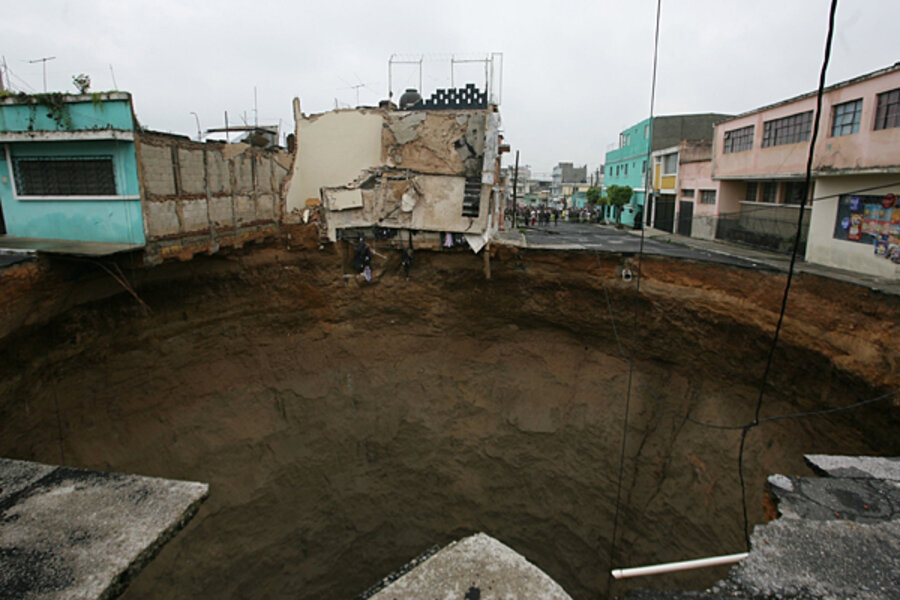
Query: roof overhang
[{"x": 67, "y": 136}]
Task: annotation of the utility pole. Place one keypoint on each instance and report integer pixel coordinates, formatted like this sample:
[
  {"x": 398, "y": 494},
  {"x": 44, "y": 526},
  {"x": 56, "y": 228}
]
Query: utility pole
[
  {"x": 44, "y": 65},
  {"x": 515, "y": 190},
  {"x": 199, "y": 132}
]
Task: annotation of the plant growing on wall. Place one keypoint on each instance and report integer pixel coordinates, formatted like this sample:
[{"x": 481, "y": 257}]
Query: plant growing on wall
[
  {"x": 82, "y": 82},
  {"x": 56, "y": 106}
]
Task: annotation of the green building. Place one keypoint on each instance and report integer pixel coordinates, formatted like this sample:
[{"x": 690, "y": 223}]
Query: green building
[{"x": 627, "y": 164}]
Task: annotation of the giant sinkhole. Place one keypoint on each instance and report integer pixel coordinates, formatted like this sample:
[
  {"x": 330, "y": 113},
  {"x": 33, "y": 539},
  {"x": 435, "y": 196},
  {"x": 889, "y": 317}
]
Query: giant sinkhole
[{"x": 344, "y": 428}]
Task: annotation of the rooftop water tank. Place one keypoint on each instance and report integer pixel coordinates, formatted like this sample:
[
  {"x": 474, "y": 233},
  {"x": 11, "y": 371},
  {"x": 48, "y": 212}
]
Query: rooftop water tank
[{"x": 410, "y": 98}]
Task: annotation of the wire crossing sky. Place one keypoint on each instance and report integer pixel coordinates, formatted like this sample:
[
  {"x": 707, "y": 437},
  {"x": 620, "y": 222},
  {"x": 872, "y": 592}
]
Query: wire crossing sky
[{"x": 575, "y": 72}]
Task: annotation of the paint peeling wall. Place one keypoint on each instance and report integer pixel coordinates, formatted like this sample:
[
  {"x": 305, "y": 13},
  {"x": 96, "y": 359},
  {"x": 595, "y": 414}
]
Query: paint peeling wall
[
  {"x": 423, "y": 170},
  {"x": 198, "y": 197}
]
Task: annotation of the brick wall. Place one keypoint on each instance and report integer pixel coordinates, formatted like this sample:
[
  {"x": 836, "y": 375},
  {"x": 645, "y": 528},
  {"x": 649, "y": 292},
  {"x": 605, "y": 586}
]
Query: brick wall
[{"x": 198, "y": 197}]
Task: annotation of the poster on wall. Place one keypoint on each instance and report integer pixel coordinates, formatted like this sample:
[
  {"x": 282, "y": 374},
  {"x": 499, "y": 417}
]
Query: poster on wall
[{"x": 872, "y": 220}]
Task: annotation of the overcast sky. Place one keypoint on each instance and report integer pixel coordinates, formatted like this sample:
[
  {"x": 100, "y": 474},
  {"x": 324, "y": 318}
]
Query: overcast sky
[{"x": 574, "y": 74}]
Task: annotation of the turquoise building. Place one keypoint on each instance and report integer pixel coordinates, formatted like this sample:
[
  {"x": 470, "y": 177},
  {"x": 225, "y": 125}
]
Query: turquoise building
[
  {"x": 627, "y": 164},
  {"x": 69, "y": 169}
]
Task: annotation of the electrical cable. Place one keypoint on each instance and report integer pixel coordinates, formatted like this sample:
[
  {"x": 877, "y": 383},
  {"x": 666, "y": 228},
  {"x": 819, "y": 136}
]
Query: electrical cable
[
  {"x": 666, "y": 407},
  {"x": 615, "y": 527},
  {"x": 790, "y": 274}
]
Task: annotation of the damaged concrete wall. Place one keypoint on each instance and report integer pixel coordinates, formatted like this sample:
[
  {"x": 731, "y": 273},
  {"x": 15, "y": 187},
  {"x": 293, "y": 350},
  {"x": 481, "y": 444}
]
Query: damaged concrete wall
[
  {"x": 444, "y": 142},
  {"x": 392, "y": 199},
  {"x": 332, "y": 149},
  {"x": 198, "y": 197},
  {"x": 424, "y": 170}
]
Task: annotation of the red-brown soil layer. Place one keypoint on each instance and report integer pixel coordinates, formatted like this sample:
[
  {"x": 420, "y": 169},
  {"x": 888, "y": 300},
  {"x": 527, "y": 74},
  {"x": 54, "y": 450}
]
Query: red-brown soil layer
[{"x": 344, "y": 427}]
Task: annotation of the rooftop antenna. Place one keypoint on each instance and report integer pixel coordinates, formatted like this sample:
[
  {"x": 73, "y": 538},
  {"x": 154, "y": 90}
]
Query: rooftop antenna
[
  {"x": 113, "y": 74},
  {"x": 394, "y": 60},
  {"x": 255, "y": 109},
  {"x": 44, "y": 64},
  {"x": 355, "y": 87}
]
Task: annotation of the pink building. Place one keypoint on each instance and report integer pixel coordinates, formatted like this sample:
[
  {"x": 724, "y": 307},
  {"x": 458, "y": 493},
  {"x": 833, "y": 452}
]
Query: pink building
[
  {"x": 682, "y": 180},
  {"x": 759, "y": 160}
]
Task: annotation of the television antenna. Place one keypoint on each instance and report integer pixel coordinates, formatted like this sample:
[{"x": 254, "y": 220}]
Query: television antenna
[
  {"x": 44, "y": 65},
  {"x": 355, "y": 87}
]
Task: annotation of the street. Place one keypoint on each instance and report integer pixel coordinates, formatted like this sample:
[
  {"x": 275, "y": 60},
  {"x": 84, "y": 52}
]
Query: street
[{"x": 606, "y": 238}]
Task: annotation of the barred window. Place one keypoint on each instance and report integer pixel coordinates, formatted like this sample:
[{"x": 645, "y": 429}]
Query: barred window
[
  {"x": 794, "y": 192},
  {"x": 687, "y": 193},
  {"x": 788, "y": 130},
  {"x": 707, "y": 196},
  {"x": 770, "y": 192},
  {"x": 750, "y": 195},
  {"x": 738, "y": 140},
  {"x": 65, "y": 176},
  {"x": 845, "y": 119},
  {"x": 887, "y": 113}
]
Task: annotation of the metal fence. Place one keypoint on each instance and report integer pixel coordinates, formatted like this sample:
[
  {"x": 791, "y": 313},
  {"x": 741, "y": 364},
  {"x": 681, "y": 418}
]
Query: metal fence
[{"x": 762, "y": 231}]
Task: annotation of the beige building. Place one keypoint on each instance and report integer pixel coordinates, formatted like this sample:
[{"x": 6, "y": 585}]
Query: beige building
[{"x": 431, "y": 169}]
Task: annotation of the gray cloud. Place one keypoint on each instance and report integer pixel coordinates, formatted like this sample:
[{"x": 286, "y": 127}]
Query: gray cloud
[{"x": 575, "y": 72}]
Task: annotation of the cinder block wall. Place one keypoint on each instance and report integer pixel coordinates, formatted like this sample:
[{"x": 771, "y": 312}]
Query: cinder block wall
[{"x": 198, "y": 197}]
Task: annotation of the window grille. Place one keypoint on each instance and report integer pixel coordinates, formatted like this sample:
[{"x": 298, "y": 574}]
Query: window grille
[
  {"x": 65, "y": 176},
  {"x": 738, "y": 140},
  {"x": 787, "y": 130},
  {"x": 845, "y": 119}
]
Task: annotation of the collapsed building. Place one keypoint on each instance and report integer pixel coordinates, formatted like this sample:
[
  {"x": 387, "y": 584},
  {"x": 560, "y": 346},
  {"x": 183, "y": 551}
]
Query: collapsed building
[{"x": 429, "y": 167}]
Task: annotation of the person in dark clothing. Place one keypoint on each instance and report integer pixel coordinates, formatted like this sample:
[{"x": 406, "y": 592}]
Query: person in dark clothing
[
  {"x": 362, "y": 258},
  {"x": 406, "y": 260},
  {"x": 406, "y": 256}
]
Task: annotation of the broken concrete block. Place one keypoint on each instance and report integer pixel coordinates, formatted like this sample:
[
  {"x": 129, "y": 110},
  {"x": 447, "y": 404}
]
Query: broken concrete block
[
  {"x": 70, "y": 533},
  {"x": 476, "y": 567}
]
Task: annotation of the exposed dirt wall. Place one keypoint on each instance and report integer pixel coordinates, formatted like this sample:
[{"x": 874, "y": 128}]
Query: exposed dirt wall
[{"x": 346, "y": 427}]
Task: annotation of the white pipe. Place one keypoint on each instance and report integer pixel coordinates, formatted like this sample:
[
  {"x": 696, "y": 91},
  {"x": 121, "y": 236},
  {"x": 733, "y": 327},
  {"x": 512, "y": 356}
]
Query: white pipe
[{"x": 679, "y": 566}]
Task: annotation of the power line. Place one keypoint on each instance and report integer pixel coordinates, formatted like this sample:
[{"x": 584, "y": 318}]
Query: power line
[
  {"x": 666, "y": 407},
  {"x": 790, "y": 273},
  {"x": 615, "y": 527}
]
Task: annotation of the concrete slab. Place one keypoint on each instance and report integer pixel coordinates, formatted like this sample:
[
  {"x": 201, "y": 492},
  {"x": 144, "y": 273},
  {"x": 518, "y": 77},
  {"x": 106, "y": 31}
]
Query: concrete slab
[
  {"x": 860, "y": 500},
  {"x": 822, "y": 559},
  {"x": 855, "y": 467},
  {"x": 474, "y": 568},
  {"x": 10, "y": 258},
  {"x": 65, "y": 246},
  {"x": 838, "y": 538},
  {"x": 70, "y": 533}
]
